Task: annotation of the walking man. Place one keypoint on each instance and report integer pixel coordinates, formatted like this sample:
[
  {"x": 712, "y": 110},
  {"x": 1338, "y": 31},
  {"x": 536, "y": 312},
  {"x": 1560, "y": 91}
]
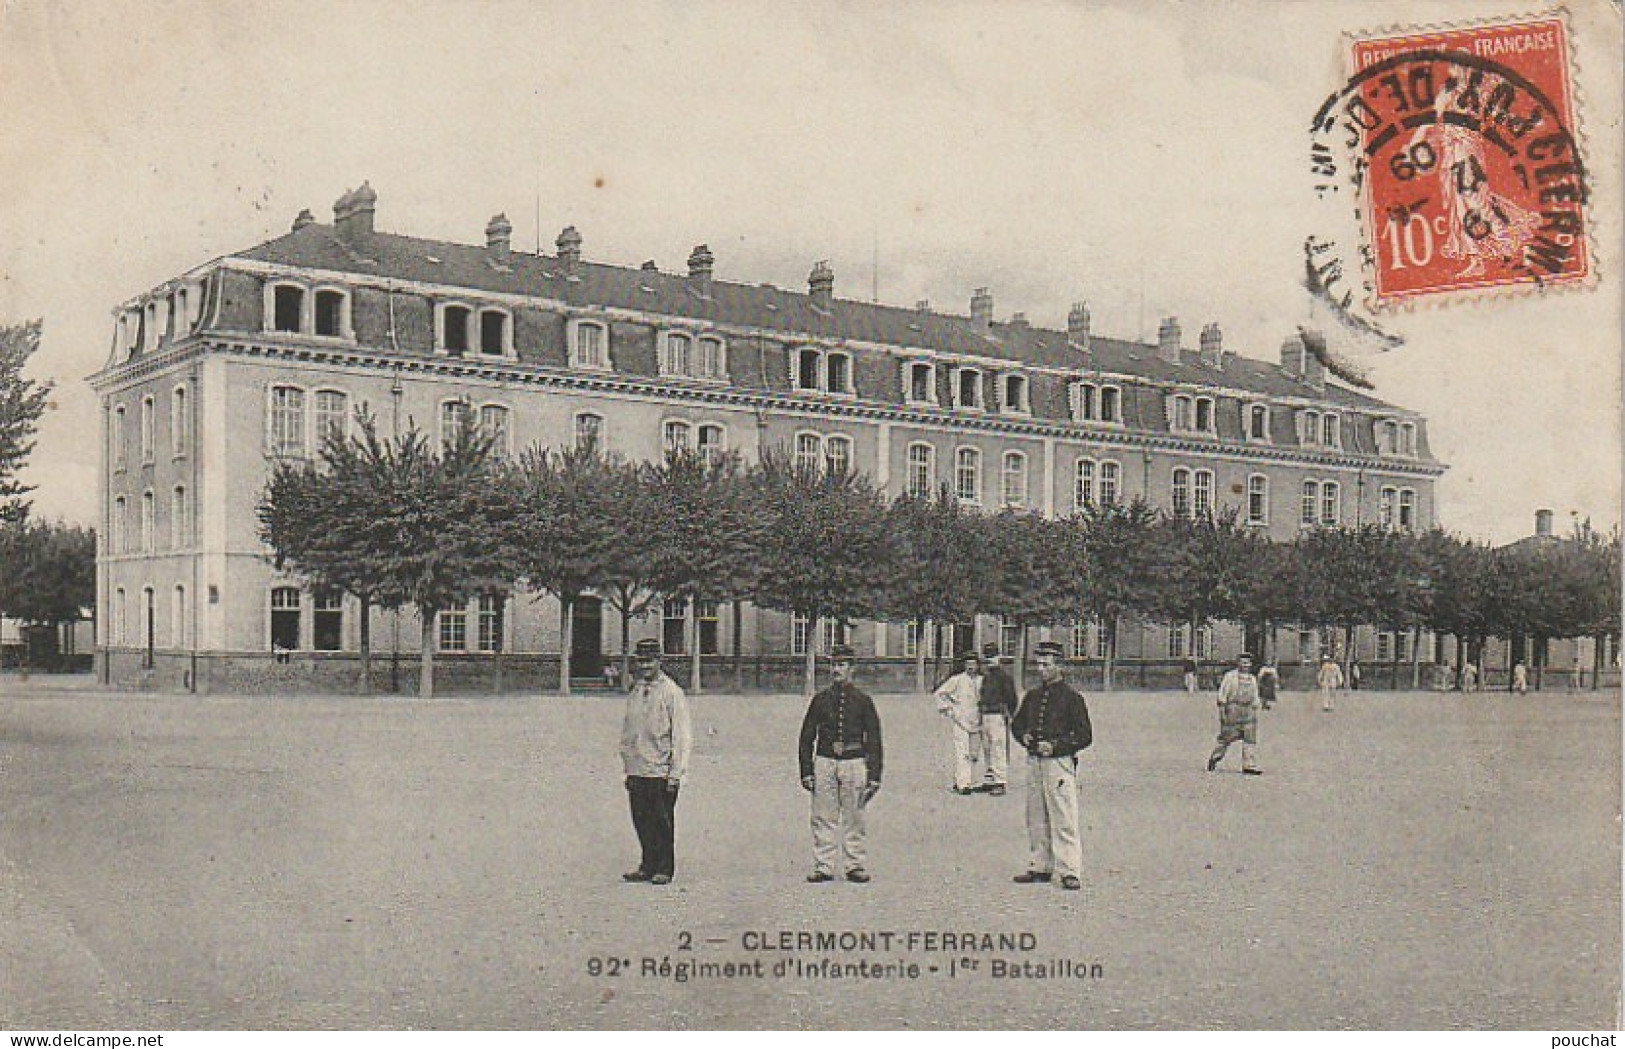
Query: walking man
[
  {"x": 1238, "y": 715},
  {"x": 1269, "y": 683},
  {"x": 1191, "y": 680},
  {"x": 841, "y": 756},
  {"x": 655, "y": 744},
  {"x": 1328, "y": 681},
  {"x": 997, "y": 706},
  {"x": 1053, "y": 726},
  {"x": 958, "y": 700},
  {"x": 1520, "y": 679}
]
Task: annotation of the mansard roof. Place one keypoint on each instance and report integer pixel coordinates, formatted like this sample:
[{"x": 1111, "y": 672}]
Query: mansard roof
[{"x": 766, "y": 307}]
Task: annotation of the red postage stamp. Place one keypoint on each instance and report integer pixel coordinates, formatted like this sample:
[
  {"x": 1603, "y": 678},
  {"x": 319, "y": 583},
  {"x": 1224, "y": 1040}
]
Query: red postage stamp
[{"x": 1465, "y": 141}]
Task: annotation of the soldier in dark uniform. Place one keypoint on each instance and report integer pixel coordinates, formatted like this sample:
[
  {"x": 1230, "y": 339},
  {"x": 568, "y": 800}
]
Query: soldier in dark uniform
[
  {"x": 997, "y": 704},
  {"x": 841, "y": 760},
  {"x": 1053, "y": 725}
]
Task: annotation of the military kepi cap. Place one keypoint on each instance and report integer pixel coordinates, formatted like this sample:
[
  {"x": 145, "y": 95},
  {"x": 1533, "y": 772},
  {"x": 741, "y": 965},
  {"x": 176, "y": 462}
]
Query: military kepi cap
[
  {"x": 990, "y": 650},
  {"x": 1052, "y": 649},
  {"x": 648, "y": 648},
  {"x": 841, "y": 653}
]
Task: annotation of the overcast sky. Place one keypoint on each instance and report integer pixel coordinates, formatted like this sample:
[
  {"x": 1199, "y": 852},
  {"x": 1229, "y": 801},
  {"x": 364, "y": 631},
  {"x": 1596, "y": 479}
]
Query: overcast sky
[{"x": 1146, "y": 158}]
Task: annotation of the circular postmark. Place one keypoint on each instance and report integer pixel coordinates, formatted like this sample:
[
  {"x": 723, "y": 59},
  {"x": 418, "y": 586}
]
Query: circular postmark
[{"x": 1442, "y": 170}]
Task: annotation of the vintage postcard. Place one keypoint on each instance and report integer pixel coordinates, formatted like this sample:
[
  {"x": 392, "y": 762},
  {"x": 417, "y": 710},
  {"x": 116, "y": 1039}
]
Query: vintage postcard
[{"x": 765, "y": 515}]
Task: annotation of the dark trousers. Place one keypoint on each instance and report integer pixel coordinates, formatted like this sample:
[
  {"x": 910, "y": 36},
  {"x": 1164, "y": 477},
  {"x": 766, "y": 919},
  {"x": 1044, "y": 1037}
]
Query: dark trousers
[{"x": 654, "y": 816}]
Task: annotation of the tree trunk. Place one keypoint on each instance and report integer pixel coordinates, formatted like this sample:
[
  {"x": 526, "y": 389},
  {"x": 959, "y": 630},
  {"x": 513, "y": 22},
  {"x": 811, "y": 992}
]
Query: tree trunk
[
  {"x": 566, "y": 639},
  {"x": 426, "y": 654},
  {"x": 922, "y": 641},
  {"x": 1416, "y": 657},
  {"x": 1108, "y": 665},
  {"x": 738, "y": 646},
  {"x": 694, "y": 684},
  {"x": 1461, "y": 655},
  {"x": 497, "y": 683},
  {"x": 626, "y": 633},
  {"x": 1021, "y": 661},
  {"x": 366, "y": 646},
  {"x": 1597, "y": 647},
  {"x": 809, "y": 679}
]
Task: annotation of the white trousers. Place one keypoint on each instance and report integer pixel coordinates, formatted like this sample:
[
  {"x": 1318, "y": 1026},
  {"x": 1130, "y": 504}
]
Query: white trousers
[
  {"x": 1326, "y": 695},
  {"x": 996, "y": 748},
  {"x": 837, "y": 813},
  {"x": 967, "y": 757},
  {"x": 1052, "y": 817}
]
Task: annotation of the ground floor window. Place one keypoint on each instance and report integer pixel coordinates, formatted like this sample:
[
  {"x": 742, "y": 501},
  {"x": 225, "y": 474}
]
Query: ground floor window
[
  {"x": 490, "y": 624},
  {"x": 710, "y": 629},
  {"x": 1009, "y": 638},
  {"x": 911, "y": 640},
  {"x": 328, "y": 621},
  {"x": 800, "y": 631},
  {"x": 454, "y": 630},
  {"x": 285, "y": 612},
  {"x": 674, "y": 627}
]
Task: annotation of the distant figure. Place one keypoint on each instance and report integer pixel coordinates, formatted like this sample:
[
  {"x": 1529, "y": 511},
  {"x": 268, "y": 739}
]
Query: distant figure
[
  {"x": 1190, "y": 676},
  {"x": 1520, "y": 679},
  {"x": 1269, "y": 682},
  {"x": 1469, "y": 677},
  {"x": 959, "y": 699},
  {"x": 1576, "y": 675},
  {"x": 1354, "y": 676},
  {"x": 998, "y": 705},
  {"x": 1328, "y": 681},
  {"x": 1238, "y": 716}
]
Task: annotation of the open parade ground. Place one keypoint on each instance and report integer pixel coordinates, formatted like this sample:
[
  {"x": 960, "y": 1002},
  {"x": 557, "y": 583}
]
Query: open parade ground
[{"x": 1411, "y": 860}]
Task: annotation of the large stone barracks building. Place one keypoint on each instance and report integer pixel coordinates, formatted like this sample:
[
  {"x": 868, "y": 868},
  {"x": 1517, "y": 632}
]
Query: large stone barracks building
[{"x": 246, "y": 359}]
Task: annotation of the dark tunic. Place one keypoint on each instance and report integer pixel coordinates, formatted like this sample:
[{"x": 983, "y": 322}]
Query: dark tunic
[
  {"x": 998, "y": 693},
  {"x": 842, "y": 723},
  {"x": 1053, "y": 713}
]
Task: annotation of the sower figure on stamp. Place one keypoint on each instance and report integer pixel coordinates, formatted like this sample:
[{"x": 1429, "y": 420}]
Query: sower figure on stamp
[
  {"x": 1238, "y": 716},
  {"x": 655, "y": 744},
  {"x": 997, "y": 705},
  {"x": 841, "y": 758},
  {"x": 1053, "y": 726},
  {"x": 958, "y": 700}
]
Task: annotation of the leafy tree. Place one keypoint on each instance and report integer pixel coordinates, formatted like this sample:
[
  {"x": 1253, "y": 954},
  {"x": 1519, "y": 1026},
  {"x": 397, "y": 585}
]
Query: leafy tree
[
  {"x": 47, "y": 573},
  {"x": 565, "y": 529},
  {"x": 627, "y": 581},
  {"x": 22, "y": 402},
  {"x": 934, "y": 573},
  {"x": 705, "y": 545},
  {"x": 824, "y": 544},
  {"x": 1120, "y": 545},
  {"x": 1206, "y": 568},
  {"x": 1039, "y": 571}
]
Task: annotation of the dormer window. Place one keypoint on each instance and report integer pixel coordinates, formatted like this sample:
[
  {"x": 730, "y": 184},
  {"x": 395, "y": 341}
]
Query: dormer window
[
  {"x": 1258, "y": 422},
  {"x": 809, "y": 369},
  {"x": 1085, "y": 401},
  {"x": 967, "y": 388},
  {"x": 712, "y": 360},
  {"x": 676, "y": 360},
  {"x": 1013, "y": 394},
  {"x": 453, "y": 322},
  {"x": 921, "y": 387},
  {"x": 838, "y": 367},
  {"x": 288, "y": 311},
  {"x": 150, "y": 329},
  {"x": 330, "y": 319},
  {"x": 1180, "y": 412},
  {"x": 1331, "y": 431},
  {"x": 589, "y": 345},
  {"x": 1309, "y": 428},
  {"x": 1204, "y": 415},
  {"x": 1407, "y": 439},
  {"x": 496, "y": 332},
  {"x": 1111, "y": 404}
]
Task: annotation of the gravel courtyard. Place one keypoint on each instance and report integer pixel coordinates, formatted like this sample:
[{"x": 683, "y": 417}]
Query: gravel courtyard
[{"x": 1410, "y": 861}]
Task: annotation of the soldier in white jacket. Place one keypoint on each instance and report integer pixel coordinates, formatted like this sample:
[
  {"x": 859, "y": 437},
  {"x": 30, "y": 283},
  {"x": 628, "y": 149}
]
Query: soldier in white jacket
[
  {"x": 1328, "y": 681},
  {"x": 958, "y": 700}
]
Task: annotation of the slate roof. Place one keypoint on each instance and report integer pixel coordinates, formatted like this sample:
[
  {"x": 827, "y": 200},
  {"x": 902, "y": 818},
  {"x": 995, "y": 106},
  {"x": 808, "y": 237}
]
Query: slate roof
[{"x": 763, "y": 306}]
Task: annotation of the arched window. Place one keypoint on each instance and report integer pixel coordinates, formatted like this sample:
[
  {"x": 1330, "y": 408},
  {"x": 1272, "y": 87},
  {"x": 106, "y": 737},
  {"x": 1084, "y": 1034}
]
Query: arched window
[
  {"x": 331, "y": 415},
  {"x": 589, "y": 431},
  {"x": 674, "y": 436},
  {"x": 922, "y": 382},
  {"x": 285, "y": 610},
  {"x": 1331, "y": 431},
  {"x": 1311, "y": 504},
  {"x": 1014, "y": 394},
  {"x": 1111, "y": 404},
  {"x": 922, "y": 470},
  {"x": 148, "y": 521},
  {"x": 1308, "y": 428},
  {"x": 1084, "y": 405},
  {"x": 287, "y": 308},
  {"x": 1083, "y": 490},
  {"x": 1013, "y": 480},
  {"x": 589, "y": 345},
  {"x": 1386, "y": 500},
  {"x": 838, "y": 367},
  {"x": 119, "y": 542},
  {"x": 1182, "y": 492},
  {"x": 180, "y": 423},
  {"x": 1204, "y": 415},
  {"x": 1407, "y": 510},
  {"x": 1258, "y": 499},
  {"x": 494, "y": 424},
  {"x": 180, "y": 530},
  {"x": 1180, "y": 418},
  {"x": 678, "y": 350},
  {"x": 1202, "y": 501},
  {"x": 713, "y": 443},
  {"x": 149, "y": 426},
  {"x": 177, "y": 617},
  {"x": 809, "y": 369},
  {"x": 121, "y": 617},
  {"x": 1407, "y": 439},
  {"x": 838, "y": 455},
  {"x": 285, "y": 423},
  {"x": 1258, "y": 422},
  {"x": 1106, "y": 491},
  {"x": 1330, "y": 503},
  {"x": 967, "y": 388},
  {"x": 455, "y": 321},
  {"x": 496, "y": 332},
  {"x": 327, "y": 620},
  {"x": 120, "y": 439},
  {"x": 809, "y": 451},
  {"x": 332, "y": 313},
  {"x": 713, "y": 358},
  {"x": 968, "y": 475},
  {"x": 455, "y": 415}
]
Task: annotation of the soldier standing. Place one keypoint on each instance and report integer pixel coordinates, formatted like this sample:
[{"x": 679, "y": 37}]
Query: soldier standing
[
  {"x": 1329, "y": 680},
  {"x": 655, "y": 744},
  {"x": 840, "y": 753},
  {"x": 997, "y": 705},
  {"x": 1053, "y": 726},
  {"x": 1238, "y": 715},
  {"x": 959, "y": 699}
]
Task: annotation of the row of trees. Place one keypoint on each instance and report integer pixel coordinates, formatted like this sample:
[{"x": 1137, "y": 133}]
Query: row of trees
[{"x": 406, "y": 521}]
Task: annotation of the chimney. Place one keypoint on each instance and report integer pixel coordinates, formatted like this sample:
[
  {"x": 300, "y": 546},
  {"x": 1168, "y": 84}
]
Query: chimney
[
  {"x": 569, "y": 248},
  {"x": 499, "y": 236},
  {"x": 1018, "y": 320},
  {"x": 1292, "y": 355},
  {"x": 649, "y": 266},
  {"x": 1077, "y": 324},
  {"x": 981, "y": 308},
  {"x": 1212, "y": 346},
  {"x": 353, "y": 213},
  {"x": 821, "y": 284},
  {"x": 700, "y": 261},
  {"x": 303, "y": 219},
  {"x": 1168, "y": 340},
  {"x": 1543, "y": 524},
  {"x": 923, "y": 306}
]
